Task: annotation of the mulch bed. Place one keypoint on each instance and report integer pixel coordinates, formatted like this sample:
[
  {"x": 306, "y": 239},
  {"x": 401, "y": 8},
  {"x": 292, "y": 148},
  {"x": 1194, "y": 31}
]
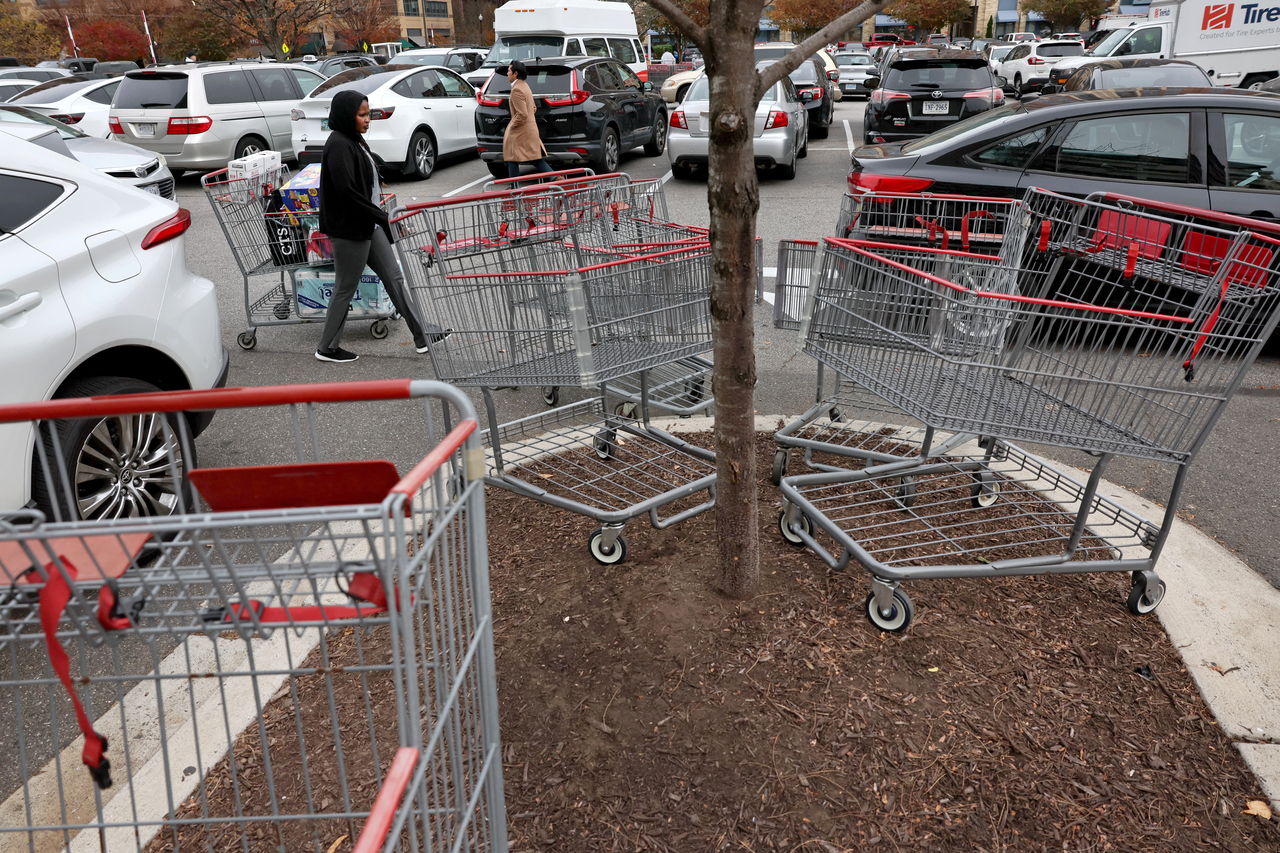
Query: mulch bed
[{"x": 642, "y": 711}]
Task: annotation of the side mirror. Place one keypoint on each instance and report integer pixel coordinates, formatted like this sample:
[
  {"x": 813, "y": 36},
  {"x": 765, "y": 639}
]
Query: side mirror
[
  {"x": 1048, "y": 89},
  {"x": 833, "y": 74},
  {"x": 806, "y": 97},
  {"x": 872, "y": 83},
  {"x": 1029, "y": 97},
  {"x": 1002, "y": 82},
  {"x": 647, "y": 86}
]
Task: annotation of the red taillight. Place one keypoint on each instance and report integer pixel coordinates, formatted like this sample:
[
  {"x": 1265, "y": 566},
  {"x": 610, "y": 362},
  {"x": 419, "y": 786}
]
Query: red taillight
[
  {"x": 1034, "y": 60},
  {"x": 381, "y": 113},
  {"x": 487, "y": 102},
  {"x": 867, "y": 182},
  {"x": 776, "y": 118},
  {"x": 880, "y": 97},
  {"x": 113, "y": 124},
  {"x": 576, "y": 95},
  {"x": 677, "y": 119},
  {"x": 189, "y": 126},
  {"x": 68, "y": 118},
  {"x": 175, "y": 226},
  {"x": 994, "y": 95}
]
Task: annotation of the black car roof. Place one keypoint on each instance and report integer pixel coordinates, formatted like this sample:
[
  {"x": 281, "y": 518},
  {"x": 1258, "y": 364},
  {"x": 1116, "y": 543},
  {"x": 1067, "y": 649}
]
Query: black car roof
[
  {"x": 916, "y": 60},
  {"x": 1127, "y": 99},
  {"x": 1136, "y": 62}
]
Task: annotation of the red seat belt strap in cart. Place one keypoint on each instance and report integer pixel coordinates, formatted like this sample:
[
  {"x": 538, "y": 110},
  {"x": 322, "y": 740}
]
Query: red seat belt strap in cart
[
  {"x": 364, "y": 586},
  {"x": 53, "y": 601},
  {"x": 964, "y": 227},
  {"x": 934, "y": 229},
  {"x": 1189, "y": 366}
]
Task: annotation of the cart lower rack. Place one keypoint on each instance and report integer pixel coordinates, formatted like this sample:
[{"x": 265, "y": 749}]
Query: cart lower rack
[{"x": 239, "y": 673}]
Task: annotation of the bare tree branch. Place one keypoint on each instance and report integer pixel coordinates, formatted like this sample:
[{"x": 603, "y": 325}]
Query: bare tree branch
[
  {"x": 676, "y": 15},
  {"x": 809, "y": 46}
]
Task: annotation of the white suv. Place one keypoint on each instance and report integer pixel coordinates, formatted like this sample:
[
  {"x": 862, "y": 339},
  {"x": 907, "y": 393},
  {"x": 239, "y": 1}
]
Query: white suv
[
  {"x": 96, "y": 299},
  {"x": 1028, "y": 65}
]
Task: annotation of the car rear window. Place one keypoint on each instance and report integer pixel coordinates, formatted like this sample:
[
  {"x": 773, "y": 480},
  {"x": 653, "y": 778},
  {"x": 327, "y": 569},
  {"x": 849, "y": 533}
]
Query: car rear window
[
  {"x": 1072, "y": 49},
  {"x": 1160, "y": 75},
  {"x": 363, "y": 80},
  {"x": 544, "y": 80},
  {"x": 53, "y": 90},
  {"x": 771, "y": 52},
  {"x": 508, "y": 48},
  {"x": 854, "y": 59},
  {"x": 804, "y": 74},
  {"x": 938, "y": 73},
  {"x": 152, "y": 91},
  {"x": 437, "y": 58}
]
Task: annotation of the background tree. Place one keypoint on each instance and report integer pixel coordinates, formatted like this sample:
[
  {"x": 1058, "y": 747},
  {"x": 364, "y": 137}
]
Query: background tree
[
  {"x": 1066, "y": 14},
  {"x": 727, "y": 43},
  {"x": 930, "y": 15},
  {"x": 473, "y": 21},
  {"x": 362, "y": 22},
  {"x": 193, "y": 29},
  {"x": 110, "y": 40},
  {"x": 275, "y": 23},
  {"x": 665, "y": 31},
  {"x": 27, "y": 39},
  {"x": 802, "y": 17}
]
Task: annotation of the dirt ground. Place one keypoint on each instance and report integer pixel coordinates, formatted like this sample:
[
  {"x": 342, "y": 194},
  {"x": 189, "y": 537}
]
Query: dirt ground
[{"x": 642, "y": 711}]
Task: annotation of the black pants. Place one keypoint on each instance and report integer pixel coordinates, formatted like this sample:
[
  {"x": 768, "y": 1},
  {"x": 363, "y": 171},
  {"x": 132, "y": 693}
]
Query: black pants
[
  {"x": 513, "y": 168},
  {"x": 349, "y": 260}
]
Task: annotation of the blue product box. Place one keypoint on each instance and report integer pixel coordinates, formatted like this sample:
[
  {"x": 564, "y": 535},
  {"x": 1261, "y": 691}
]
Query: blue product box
[
  {"x": 301, "y": 194},
  {"x": 314, "y": 287}
]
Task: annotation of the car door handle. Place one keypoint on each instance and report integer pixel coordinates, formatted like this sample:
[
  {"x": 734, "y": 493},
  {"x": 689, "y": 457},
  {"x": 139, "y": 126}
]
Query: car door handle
[{"x": 21, "y": 305}]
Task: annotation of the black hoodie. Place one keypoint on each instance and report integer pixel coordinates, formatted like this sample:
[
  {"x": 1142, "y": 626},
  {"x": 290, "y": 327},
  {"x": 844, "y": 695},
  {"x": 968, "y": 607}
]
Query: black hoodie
[{"x": 347, "y": 177}]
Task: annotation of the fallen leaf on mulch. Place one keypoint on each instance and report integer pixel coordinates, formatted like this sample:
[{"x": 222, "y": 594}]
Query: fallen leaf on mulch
[{"x": 1259, "y": 808}]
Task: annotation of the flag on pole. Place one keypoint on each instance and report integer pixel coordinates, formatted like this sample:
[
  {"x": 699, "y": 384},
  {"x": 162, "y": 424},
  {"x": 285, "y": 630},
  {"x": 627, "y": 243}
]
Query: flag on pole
[
  {"x": 150, "y": 43},
  {"x": 71, "y": 36}
]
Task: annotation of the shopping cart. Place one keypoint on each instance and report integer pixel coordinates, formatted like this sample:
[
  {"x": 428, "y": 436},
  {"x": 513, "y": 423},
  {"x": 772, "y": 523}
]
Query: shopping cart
[
  {"x": 270, "y": 245},
  {"x": 1055, "y": 362},
  {"x": 238, "y": 673},
  {"x": 968, "y": 223}
]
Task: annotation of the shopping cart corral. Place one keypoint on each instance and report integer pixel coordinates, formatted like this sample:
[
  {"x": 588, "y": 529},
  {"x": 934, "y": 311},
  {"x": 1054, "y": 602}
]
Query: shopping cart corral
[
  {"x": 1060, "y": 352},
  {"x": 270, "y": 246},
  {"x": 290, "y": 629}
]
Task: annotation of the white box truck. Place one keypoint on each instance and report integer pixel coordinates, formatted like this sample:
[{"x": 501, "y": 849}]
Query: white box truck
[
  {"x": 532, "y": 29},
  {"x": 1237, "y": 44}
]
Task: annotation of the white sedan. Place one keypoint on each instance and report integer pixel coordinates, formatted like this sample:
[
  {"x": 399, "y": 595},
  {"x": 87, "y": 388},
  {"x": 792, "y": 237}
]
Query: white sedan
[
  {"x": 82, "y": 103},
  {"x": 417, "y": 115}
]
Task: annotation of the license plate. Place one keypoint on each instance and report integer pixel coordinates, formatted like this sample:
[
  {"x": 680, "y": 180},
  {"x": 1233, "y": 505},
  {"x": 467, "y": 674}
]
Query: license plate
[
  {"x": 324, "y": 124},
  {"x": 933, "y": 108},
  {"x": 154, "y": 189},
  {"x": 144, "y": 131}
]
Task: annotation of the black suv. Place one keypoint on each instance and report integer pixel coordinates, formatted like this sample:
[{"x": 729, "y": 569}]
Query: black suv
[
  {"x": 924, "y": 92},
  {"x": 818, "y": 93},
  {"x": 588, "y": 109}
]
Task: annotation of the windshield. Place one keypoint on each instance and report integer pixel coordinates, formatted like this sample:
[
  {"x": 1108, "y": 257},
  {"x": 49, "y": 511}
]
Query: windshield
[
  {"x": 854, "y": 59},
  {"x": 960, "y": 128},
  {"x": 53, "y": 90},
  {"x": 363, "y": 80},
  {"x": 1160, "y": 75},
  {"x": 1072, "y": 49},
  {"x": 23, "y": 116},
  {"x": 938, "y": 74},
  {"x": 437, "y": 58},
  {"x": 999, "y": 53},
  {"x": 1104, "y": 47},
  {"x": 508, "y": 48}
]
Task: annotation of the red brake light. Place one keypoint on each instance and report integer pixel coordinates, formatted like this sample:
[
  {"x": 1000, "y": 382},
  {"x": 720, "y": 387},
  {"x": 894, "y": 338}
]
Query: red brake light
[
  {"x": 113, "y": 124},
  {"x": 68, "y": 118},
  {"x": 866, "y": 182},
  {"x": 576, "y": 95},
  {"x": 381, "y": 113},
  {"x": 677, "y": 119},
  {"x": 996, "y": 96},
  {"x": 815, "y": 91},
  {"x": 1034, "y": 60},
  {"x": 776, "y": 118},
  {"x": 881, "y": 97},
  {"x": 175, "y": 226},
  {"x": 487, "y": 102},
  {"x": 189, "y": 126}
]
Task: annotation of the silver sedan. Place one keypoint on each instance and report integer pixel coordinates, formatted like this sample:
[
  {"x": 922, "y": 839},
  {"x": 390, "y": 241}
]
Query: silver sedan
[{"x": 781, "y": 130}]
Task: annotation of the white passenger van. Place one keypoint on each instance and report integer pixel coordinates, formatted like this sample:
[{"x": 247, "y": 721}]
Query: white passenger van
[{"x": 532, "y": 29}]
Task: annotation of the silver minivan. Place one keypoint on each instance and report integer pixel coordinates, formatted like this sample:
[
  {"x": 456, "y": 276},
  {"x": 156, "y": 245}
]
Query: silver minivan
[{"x": 200, "y": 116}]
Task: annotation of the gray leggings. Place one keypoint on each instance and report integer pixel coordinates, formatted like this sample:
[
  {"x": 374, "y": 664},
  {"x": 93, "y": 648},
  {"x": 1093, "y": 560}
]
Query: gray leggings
[{"x": 350, "y": 257}]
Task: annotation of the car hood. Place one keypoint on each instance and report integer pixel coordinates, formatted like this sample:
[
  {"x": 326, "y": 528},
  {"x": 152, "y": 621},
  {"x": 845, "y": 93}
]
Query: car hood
[{"x": 108, "y": 154}]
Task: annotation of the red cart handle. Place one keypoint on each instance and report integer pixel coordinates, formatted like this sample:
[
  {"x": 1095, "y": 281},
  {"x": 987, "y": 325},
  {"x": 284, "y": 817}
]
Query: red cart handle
[{"x": 374, "y": 835}]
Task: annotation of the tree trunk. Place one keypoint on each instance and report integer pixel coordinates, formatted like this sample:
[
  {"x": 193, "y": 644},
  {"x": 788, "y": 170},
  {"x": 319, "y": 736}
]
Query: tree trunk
[{"x": 733, "y": 198}]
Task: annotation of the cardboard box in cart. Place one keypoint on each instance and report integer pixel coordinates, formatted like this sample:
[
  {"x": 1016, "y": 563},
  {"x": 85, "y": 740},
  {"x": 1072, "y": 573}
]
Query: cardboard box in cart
[
  {"x": 314, "y": 288},
  {"x": 254, "y": 176},
  {"x": 302, "y": 192}
]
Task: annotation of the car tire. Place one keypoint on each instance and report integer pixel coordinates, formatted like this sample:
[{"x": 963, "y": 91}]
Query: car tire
[
  {"x": 681, "y": 92},
  {"x": 497, "y": 168},
  {"x": 610, "y": 153},
  {"x": 681, "y": 173},
  {"x": 786, "y": 172},
  {"x": 109, "y": 446},
  {"x": 1017, "y": 82},
  {"x": 420, "y": 158},
  {"x": 819, "y": 131},
  {"x": 248, "y": 145},
  {"x": 657, "y": 144},
  {"x": 804, "y": 149}
]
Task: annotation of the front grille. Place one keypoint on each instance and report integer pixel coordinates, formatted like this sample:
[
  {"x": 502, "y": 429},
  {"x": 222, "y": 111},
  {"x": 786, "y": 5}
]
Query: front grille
[
  {"x": 151, "y": 169},
  {"x": 165, "y": 187}
]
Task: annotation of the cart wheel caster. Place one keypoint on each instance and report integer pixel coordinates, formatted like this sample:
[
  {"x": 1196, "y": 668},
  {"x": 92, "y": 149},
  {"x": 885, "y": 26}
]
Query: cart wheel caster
[
  {"x": 551, "y": 395},
  {"x": 1146, "y": 593},
  {"x": 604, "y": 444},
  {"x": 247, "y": 340},
  {"x": 282, "y": 310},
  {"x": 694, "y": 391},
  {"x": 899, "y": 616},
  {"x": 985, "y": 492},
  {"x": 905, "y": 494},
  {"x": 788, "y": 534},
  {"x": 836, "y": 415},
  {"x": 379, "y": 329},
  {"x": 625, "y": 410},
  {"x": 616, "y": 554},
  {"x": 781, "y": 459}
]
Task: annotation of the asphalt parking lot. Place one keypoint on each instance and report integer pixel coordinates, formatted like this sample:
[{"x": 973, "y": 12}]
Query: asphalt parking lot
[{"x": 1231, "y": 493}]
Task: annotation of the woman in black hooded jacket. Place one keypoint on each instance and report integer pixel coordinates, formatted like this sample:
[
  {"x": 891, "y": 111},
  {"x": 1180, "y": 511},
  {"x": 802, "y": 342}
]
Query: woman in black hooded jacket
[{"x": 357, "y": 226}]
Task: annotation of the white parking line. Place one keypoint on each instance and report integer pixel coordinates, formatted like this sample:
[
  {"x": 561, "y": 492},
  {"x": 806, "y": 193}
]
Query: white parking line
[
  {"x": 848, "y": 134},
  {"x": 452, "y": 193},
  {"x": 666, "y": 177}
]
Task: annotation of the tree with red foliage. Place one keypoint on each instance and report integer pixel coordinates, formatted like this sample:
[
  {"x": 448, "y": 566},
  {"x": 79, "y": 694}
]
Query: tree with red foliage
[
  {"x": 111, "y": 40},
  {"x": 805, "y": 16},
  {"x": 930, "y": 15},
  {"x": 367, "y": 22}
]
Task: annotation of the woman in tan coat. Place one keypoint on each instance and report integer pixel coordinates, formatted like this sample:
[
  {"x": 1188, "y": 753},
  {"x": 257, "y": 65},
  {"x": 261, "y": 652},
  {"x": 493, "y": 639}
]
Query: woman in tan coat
[{"x": 521, "y": 143}]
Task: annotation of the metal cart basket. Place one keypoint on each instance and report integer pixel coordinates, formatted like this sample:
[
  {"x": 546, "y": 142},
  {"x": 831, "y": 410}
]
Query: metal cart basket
[
  {"x": 238, "y": 674},
  {"x": 269, "y": 244}
]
